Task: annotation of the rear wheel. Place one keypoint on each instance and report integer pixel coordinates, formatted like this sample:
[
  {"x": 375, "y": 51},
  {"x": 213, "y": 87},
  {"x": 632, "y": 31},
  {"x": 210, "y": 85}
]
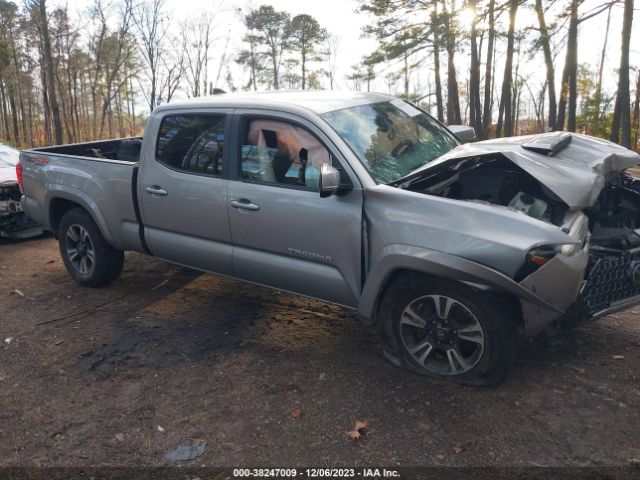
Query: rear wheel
[
  {"x": 446, "y": 330},
  {"x": 89, "y": 259}
]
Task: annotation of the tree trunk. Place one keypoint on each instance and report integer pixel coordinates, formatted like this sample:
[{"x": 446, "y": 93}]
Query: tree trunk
[
  {"x": 453, "y": 101},
  {"x": 572, "y": 53},
  {"x": 303, "y": 63},
  {"x": 14, "y": 117},
  {"x": 435, "y": 28},
  {"x": 548, "y": 59},
  {"x": 49, "y": 68},
  {"x": 475, "y": 108},
  {"x": 4, "y": 113},
  {"x": 569, "y": 74},
  {"x": 488, "y": 77},
  {"x": 621, "y": 126},
  {"x": 505, "y": 116},
  {"x": 274, "y": 63},
  {"x": 636, "y": 112},
  {"x": 603, "y": 55}
]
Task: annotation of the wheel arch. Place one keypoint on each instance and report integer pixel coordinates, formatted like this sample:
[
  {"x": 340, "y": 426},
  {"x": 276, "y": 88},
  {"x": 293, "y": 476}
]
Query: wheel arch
[
  {"x": 397, "y": 260},
  {"x": 62, "y": 200}
]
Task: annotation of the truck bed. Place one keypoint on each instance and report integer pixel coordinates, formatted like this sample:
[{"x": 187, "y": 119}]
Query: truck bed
[
  {"x": 121, "y": 149},
  {"x": 100, "y": 177}
]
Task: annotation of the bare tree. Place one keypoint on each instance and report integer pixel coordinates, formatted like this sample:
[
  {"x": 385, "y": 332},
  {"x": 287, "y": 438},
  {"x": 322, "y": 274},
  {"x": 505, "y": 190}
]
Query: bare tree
[
  {"x": 621, "y": 126},
  {"x": 506, "y": 107},
  {"x": 119, "y": 55},
  {"x": 48, "y": 66},
  {"x": 435, "y": 31},
  {"x": 548, "y": 60},
  {"x": 568, "y": 91},
  {"x": 475, "y": 108},
  {"x": 453, "y": 100},
  {"x": 488, "y": 77},
  {"x": 603, "y": 56},
  {"x": 332, "y": 48},
  {"x": 197, "y": 39},
  {"x": 152, "y": 26},
  {"x": 636, "y": 112}
]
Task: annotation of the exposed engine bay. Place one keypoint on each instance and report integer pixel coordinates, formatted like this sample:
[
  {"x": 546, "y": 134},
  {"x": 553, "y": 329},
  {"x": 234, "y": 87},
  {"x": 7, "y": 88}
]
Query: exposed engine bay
[{"x": 613, "y": 222}]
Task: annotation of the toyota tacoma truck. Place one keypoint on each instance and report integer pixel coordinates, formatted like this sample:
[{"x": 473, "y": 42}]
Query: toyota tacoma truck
[{"x": 453, "y": 250}]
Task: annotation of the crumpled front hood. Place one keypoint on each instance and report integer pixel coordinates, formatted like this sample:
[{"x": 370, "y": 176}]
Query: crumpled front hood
[{"x": 576, "y": 174}]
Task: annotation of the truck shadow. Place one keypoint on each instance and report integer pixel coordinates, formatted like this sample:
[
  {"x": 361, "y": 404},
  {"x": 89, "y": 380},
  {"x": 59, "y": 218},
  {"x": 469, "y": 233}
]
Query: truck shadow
[{"x": 199, "y": 316}]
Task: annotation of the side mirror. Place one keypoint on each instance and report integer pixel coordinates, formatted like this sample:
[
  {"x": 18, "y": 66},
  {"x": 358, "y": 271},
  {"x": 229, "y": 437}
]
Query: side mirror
[
  {"x": 464, "y": 133},
  {"x": 329, "y": 180}
]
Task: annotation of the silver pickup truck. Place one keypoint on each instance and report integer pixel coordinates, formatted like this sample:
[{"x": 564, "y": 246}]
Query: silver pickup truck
[{"x": 454, "y": 251}]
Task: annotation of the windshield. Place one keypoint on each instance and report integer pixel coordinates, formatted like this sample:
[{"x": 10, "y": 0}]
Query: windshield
[{"x": 391, "y": 139}]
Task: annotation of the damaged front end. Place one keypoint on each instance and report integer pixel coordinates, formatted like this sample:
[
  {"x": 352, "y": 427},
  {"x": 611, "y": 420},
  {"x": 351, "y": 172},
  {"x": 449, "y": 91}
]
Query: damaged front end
[
  {"x": 612, "y": 277},
  {"x": 578, "y": 183}
]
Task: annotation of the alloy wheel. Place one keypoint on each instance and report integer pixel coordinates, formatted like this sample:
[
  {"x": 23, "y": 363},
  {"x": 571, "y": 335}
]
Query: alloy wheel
[
  {"x": 80, "y": 249},
  {"x": 442, "y": 335}
]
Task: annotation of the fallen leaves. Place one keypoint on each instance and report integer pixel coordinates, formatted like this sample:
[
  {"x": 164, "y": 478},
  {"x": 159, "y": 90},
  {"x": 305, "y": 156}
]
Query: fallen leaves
[
  {"x": 296, "y": 413},
  {"x": 457, "y": 450},
  {"x": 359, "y": 430}
]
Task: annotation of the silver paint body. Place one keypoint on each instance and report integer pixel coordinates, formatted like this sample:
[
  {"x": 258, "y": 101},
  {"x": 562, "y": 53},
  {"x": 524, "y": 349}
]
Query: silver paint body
[{"x": 343, "y": 248}]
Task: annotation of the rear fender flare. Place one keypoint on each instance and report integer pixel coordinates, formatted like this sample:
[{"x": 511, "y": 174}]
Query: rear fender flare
[{"x": 83, "y": 200}]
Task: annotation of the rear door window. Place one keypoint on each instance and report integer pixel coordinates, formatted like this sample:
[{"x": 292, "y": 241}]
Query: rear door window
[{"x": 192, "y": 143}]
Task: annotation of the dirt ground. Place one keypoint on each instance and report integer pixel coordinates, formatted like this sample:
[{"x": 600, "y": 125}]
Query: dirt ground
[{"x": 268, "y": 379}]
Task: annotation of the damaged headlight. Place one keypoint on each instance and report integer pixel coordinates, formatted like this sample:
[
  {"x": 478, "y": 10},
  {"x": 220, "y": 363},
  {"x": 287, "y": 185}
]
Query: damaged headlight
[
  {"x": 540, "y": 255},
  {"x": 576, "y": 227}
]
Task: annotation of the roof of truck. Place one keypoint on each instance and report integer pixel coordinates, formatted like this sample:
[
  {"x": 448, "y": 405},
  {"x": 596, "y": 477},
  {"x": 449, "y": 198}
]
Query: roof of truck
[{"x": 316, "y": 101}]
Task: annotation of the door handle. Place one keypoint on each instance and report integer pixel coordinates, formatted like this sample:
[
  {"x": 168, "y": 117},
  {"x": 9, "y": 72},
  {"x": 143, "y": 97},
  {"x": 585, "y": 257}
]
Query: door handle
[
  {"x": 156, "y": 190},
  {"x": 245, "y": 204}
]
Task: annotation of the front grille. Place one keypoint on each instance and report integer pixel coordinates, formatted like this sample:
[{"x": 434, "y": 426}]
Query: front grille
[{"x": 610, "y": 280}]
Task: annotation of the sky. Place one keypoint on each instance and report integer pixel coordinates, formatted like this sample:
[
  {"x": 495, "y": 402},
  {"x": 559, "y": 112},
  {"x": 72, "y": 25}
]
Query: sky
[{"x": 340, "y": 18}]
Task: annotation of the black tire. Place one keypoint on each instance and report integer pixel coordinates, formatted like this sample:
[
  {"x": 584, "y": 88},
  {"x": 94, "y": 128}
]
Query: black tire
[
  {"x": 107, "y": 262},
  {"x": 489, "y": 359}
]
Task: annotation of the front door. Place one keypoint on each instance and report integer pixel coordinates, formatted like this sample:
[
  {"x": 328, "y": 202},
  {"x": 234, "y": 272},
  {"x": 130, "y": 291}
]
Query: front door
[
  {"x": 183, "y": 192},
  {"x": 284, "y": 234}
]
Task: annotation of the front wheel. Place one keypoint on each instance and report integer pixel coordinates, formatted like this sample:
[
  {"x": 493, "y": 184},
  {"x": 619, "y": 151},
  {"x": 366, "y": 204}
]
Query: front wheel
[
  {"x": 446, "y": 330},
  {"x": 89, "y": 259}
]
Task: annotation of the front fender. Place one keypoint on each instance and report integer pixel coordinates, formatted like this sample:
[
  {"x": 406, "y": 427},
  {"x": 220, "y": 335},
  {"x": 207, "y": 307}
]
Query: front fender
[{"x": 393, "y": 258}]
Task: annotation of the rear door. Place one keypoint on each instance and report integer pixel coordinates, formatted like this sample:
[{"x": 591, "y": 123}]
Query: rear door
[
  {"x": 183, "y": 190},
  {"x": 284, "y": 234}
]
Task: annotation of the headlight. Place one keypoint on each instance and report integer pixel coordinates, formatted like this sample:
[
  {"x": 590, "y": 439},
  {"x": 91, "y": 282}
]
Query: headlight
[{"x": 540, "y": 255}]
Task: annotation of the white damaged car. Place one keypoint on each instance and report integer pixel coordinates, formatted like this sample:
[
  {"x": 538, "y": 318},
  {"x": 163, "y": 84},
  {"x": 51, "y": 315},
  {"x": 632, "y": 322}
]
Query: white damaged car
[{"x": 14, "y": 223}]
